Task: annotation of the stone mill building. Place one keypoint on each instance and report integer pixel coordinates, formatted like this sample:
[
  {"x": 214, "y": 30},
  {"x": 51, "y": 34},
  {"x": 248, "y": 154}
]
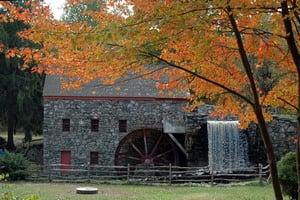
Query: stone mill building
[{"x": 133, "y": 123}]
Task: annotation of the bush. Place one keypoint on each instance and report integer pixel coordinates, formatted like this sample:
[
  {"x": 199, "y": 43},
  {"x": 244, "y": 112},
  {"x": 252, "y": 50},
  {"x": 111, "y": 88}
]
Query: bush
[
  {"x": 11, "y": 196},
  {"x": 8, "y": 194},
  {"x": 2, "y": 143},
  {"x": 287, "y": 172},
  {"x": 14, "y": 165}
]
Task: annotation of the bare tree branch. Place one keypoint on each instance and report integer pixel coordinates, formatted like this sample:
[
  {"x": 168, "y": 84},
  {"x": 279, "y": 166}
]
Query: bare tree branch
[
  {"x": 288, "y": 103},
  {"x": 200, "y": 77}
]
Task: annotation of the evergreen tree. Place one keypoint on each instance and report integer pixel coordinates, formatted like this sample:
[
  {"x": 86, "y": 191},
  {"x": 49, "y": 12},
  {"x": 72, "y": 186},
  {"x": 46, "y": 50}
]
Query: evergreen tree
[{"x": 21, "y": 90}]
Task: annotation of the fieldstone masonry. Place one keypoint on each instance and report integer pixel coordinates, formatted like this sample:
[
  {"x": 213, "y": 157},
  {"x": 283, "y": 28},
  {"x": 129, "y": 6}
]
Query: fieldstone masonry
[
  {"x": 81, "y": 141},
  {"x": 142, "y": 114},
  {"x": 282, "y": 129}
]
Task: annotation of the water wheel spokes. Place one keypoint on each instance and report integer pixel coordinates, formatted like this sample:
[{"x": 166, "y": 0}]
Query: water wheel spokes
[
  {"x": 166, "y": 152},
  {"x": 145, "y": 143},
  {"x": 146, "y": 147},
  {"x": 156, "y": 145},
  {"x": 130, "y": 157},
  {"x": 136, "y": 149}
]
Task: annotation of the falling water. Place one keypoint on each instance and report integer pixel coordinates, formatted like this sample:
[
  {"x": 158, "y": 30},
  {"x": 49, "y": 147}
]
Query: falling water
[{"x": 227, "y": 147}]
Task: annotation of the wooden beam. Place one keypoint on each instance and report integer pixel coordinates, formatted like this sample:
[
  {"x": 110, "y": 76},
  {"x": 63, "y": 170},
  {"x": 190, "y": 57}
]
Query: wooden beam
[{"x": 178, "y": 144}]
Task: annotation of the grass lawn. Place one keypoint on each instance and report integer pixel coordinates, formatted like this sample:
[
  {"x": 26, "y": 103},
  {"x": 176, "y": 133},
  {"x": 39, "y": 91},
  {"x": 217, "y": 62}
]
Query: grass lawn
[
  {"x": 61, "y": 191},
  {"x": 18, "y": 137}
]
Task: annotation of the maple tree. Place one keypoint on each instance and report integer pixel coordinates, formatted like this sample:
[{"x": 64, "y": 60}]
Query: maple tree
[{"x": 214, "y": 49}]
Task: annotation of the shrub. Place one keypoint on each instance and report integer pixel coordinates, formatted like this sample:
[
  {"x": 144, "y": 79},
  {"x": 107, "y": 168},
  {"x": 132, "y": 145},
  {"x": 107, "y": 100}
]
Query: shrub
[
  {"x": 287, "y": 172},
  {"x": 8, "y": 194},
  {"x": 11, "y": 196},
  {"x": 2, "y": 143},
  {"x": 14, "y": 165}
]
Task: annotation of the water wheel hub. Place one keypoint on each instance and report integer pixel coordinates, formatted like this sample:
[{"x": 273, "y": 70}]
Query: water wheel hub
[{"x": 148, "y": 161}]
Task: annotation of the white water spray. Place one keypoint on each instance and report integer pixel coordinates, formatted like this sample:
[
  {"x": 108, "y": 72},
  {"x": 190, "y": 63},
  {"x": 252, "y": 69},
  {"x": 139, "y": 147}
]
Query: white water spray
[{"x": 227, "y": 150}]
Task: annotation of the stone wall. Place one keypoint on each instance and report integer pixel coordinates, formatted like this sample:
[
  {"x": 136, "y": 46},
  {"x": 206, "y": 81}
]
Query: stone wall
[
  {"x": 142, "y": 114},
  {"x": 282, "y": 130},
  {"x": 81, "y": 141},
  {"x": 196, "y": 142}
]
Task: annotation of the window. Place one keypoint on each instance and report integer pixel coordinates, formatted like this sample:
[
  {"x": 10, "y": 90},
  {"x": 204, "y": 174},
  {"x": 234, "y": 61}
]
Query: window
[
  {"x": 94, "y": 158},
  {"x": 66, "y": 125},
  {"x": 122, "y": 126},
  {"x": 94, "y": 125}
]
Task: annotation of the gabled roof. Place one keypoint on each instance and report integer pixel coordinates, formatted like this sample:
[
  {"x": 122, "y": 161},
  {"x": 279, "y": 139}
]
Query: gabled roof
[{"x": 124, "y": 87}]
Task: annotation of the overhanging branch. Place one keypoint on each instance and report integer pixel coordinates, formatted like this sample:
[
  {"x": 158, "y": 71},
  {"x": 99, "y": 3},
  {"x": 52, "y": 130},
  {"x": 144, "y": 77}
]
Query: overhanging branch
[
  {"x": 288, "y": 103},
  {"x": 243, "y": 55},
  {"x": 200, "y": 77}
]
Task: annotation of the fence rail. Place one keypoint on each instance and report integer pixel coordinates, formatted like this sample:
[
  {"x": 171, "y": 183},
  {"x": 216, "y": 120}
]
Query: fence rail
[{"x": 146, "y": 174}]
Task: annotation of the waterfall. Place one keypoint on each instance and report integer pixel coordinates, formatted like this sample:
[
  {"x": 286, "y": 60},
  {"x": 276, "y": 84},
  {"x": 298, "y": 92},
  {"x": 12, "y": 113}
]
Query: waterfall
[{"x": 227, "y": 148}]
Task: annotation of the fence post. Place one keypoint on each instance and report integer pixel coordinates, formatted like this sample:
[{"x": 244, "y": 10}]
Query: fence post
[
  {"x": 260, "y": 173},
  {"x": 128, "y": 172},
  {"x": 212, "y": 176},
  {"x": 89, "y": 172},
  {"x": 170, "y": 173}
]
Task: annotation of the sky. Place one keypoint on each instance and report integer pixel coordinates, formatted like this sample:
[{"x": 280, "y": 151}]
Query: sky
[{"x": 57, "y": 7}]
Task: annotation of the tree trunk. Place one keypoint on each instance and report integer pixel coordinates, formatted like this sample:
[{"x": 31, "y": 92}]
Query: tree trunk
[
  {"x": 15, "y": 128},
  {"x": 298, "y": 139},
  {"x": 257, "y": 106},
  {"x": 28, "y": 135},
  {"x": 270, "y": 153},
  {"x": 10, "y": 131},
  {"x": 292, "y": 44},
  {"x": 11, "y": 120}
]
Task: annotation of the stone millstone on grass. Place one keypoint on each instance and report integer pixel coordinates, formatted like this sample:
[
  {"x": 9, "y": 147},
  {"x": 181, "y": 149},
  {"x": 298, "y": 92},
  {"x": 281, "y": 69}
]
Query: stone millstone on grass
[{"x": 86, "y": 190}]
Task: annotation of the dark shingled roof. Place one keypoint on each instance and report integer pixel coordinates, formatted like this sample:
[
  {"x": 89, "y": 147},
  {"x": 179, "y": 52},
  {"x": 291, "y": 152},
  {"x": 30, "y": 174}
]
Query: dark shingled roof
[{"x": 125, "y": 87}]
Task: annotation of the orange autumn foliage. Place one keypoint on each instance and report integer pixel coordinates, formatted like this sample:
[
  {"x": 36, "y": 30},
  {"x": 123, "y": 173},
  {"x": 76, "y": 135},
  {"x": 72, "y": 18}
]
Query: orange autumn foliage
[{"x": 193, "y": 34}]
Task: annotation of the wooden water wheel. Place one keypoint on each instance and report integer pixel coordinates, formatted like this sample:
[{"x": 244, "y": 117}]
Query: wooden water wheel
[{"x": 146, "y": 147}]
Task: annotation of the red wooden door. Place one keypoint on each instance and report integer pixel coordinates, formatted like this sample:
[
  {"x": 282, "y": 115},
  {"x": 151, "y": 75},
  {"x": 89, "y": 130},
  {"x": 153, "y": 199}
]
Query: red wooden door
[{"x": 65, "y": 161}]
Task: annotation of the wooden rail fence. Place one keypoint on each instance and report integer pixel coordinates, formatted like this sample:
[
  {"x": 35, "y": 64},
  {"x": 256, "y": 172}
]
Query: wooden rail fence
[{"x": 147, "y": 174}]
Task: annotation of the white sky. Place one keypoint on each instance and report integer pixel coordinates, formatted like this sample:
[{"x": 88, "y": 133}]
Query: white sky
[{"x": 57, "y": 7}]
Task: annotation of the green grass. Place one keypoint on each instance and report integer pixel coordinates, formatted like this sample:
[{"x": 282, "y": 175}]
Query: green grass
[
  {"x": 19, "y": 136},
  {"x": 61, "y": 191}
]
